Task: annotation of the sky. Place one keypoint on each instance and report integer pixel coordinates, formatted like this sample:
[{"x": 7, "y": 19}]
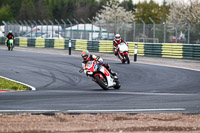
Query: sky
[{"x": 158, "y": 1}]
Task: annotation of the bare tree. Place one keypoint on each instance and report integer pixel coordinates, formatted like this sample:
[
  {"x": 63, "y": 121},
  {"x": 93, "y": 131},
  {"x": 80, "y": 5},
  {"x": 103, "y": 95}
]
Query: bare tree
[
  {"x": 182, "y": 10},
  {"x": 112, "y": 12}
]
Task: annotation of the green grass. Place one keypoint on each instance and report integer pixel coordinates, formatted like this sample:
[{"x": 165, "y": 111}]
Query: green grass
[{"x": 10, "y": 85}]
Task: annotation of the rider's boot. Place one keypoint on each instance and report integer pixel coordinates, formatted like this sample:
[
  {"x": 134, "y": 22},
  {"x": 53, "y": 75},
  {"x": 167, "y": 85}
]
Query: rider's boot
[
  {"x": 113, "y": 73},
  {"x": 109, "y": 69}
]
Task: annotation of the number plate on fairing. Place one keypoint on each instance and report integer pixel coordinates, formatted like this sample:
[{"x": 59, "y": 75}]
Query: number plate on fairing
[{"x": 89, "y": 72}]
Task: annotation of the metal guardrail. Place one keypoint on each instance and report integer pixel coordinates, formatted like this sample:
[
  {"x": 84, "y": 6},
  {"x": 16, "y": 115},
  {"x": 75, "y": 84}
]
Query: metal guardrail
[{"x": 130, "y": 31}]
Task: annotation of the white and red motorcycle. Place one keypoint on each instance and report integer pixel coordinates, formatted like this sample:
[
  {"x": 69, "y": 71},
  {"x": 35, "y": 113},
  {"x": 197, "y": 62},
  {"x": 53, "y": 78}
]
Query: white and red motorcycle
[
  {"x": 101, "y": 75},
  {"x": 123, "y": 53}
]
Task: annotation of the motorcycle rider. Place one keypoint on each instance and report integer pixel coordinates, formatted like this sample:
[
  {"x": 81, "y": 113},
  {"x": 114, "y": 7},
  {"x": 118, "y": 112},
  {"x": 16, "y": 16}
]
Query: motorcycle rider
[
  {"x": 89, "y": 57},
  {"x": 9, "y": 36},
  {"x": 117, "y": 40}
]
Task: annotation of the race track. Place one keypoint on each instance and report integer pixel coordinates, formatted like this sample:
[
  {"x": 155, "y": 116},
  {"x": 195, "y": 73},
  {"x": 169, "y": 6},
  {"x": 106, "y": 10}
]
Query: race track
[{"x": 61, "y": 88}]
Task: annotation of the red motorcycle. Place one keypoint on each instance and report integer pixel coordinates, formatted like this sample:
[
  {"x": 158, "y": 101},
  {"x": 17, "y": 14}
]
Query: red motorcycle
[
  {"x": 123, "y": 53},
  {"x": 101, "y": 75}
]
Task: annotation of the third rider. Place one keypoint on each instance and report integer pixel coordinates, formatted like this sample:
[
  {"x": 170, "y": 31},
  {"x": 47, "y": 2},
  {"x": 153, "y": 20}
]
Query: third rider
[{"x": 117, "y": 40}]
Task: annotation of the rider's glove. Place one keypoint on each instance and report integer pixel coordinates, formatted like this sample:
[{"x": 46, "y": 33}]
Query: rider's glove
[
  {"x": 97, "y": 59},
  {"x": 100, "y": 62}
]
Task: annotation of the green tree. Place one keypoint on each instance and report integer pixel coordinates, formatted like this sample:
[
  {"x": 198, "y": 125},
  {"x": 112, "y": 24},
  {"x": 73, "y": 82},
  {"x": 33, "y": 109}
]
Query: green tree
[
  {"x": 14, "y": 6},
  {"x": 128, "y": 5},
  {"x": 6, "y": 14},
  {"x": 27, "y": 10},
  {"x": 74, "y": 9},
  {"x": 53, "y": 9},
  {"x": 152, "y": 9},
  {"x": 33, "y": 9}
]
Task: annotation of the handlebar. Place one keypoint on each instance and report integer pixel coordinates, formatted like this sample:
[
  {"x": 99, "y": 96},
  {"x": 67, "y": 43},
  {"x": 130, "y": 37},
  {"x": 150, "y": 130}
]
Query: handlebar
[{"x": 82, "y": 70}]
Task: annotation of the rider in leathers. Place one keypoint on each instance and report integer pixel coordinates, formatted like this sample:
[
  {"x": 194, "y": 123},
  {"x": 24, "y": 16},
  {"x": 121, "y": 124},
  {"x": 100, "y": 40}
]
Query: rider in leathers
[
  {"x": 117, "y": 40},
  {"x": 9, "y": 36},
  {"x": 88, "y": 57}
]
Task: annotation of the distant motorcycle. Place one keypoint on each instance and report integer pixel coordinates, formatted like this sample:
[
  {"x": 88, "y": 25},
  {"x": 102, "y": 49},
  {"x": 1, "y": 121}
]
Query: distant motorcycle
[
  {"x": 10, "y": 44},
  {"x": 123, "y": 53},
  {"x": 101, "y": 75}
]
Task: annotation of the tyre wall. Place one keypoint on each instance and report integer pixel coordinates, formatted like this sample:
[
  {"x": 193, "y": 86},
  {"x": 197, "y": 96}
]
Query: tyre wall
[{"x": 169, "y": 50}]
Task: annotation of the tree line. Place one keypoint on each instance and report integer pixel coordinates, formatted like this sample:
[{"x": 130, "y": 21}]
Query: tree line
[
  {"x": 48, "y": 9},
  {"x": 55, "y": 9},
  {"x": 11, "y": 10}
]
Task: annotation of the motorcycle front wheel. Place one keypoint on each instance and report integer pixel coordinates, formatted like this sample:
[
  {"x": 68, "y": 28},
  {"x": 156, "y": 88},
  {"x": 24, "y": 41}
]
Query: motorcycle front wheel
[
  {"x": 11, "y": 48},
  {"x": 101, "y": 82},
  {"x": 117, "y": 86}
]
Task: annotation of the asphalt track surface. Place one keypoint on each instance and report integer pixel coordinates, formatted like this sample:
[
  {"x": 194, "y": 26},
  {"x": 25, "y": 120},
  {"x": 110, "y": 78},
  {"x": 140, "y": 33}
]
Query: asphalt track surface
[{"x": 61, "y": 88}]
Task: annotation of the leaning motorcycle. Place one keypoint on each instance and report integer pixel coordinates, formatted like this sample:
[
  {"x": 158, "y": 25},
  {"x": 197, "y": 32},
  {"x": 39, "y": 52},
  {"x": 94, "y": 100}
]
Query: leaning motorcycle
[
  {"x": 101, "y": 75},
  {"x": 123, "y": 53},
  {"x": 10, "y": 44}
]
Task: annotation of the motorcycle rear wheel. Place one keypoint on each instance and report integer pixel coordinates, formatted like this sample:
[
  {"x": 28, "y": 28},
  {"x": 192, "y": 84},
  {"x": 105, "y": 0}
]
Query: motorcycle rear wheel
[
  {"x": 101, "y": 82},
  {"x": 127, "y": 58}
]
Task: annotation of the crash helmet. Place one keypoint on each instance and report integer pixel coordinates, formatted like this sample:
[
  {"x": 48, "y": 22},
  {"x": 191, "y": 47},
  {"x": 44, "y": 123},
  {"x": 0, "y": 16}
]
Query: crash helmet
[
  {"x": 85, "y": 55},
  {"x": 117, "y": 37},
  {"x": 10, "y": 31}
]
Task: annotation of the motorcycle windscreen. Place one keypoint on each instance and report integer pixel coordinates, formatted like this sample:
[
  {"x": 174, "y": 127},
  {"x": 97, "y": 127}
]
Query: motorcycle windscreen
[
  {"x": 123, "y": 47},
  {"x": 91, "y": 66}
]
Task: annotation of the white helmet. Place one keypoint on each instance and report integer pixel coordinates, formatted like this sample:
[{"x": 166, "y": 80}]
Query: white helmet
[{"x": 117, "y": 37}]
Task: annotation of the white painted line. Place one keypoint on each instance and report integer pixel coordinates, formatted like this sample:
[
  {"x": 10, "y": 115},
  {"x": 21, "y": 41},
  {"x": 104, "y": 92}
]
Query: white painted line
[
  {"x": 29, "y": 110},
  {"x": 187, "y": 68},
  {"x": 125, "y": 93},
  {"x": 96, "y": 111},
  {"x": 146, "y": 93},
  {"x": 125, "y": 110},
  {"x": 31, "y": 87}
]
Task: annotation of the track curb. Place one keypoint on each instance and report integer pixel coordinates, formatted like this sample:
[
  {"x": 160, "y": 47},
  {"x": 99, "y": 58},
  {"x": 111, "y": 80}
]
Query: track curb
[{"x": 31, "y": 87}]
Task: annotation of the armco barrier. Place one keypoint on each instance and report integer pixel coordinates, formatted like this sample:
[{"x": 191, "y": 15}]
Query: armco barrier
[
  {"x": 169, "y": 50},
  {"x": 196, "y": 52},
  {"x": 49, "y": 43},
  {"x": 153, "y": 50},
  {"x": 31, "y": 42},
  {"x": 73, "y": 44},
  {"x": 140, "y": 47},
  {"x": 106, "y": 46},
  {"x": 188, "y": 51},
  {"x": 40, "y": 43},
  {"x": 59, "y": 43},
  {"x": 93, "y": 46},
  {"x": 17, "y": 42},
  {"x": 23, "y": 42},
  {"x": 81, "y": 45},
  {"x": 172, "y": 50}
]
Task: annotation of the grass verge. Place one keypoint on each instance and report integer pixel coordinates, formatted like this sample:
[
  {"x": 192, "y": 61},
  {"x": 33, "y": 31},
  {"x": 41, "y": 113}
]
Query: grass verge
[{"x": 10, "y": 85}]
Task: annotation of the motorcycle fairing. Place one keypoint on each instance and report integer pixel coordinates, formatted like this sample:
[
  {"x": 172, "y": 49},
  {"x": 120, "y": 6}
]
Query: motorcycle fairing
[{"x": 108, "y": 77}]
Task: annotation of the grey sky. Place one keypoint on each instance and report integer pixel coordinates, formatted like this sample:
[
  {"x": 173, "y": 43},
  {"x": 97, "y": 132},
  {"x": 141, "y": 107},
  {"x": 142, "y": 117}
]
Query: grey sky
[{"x": 159, "y": 1}]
